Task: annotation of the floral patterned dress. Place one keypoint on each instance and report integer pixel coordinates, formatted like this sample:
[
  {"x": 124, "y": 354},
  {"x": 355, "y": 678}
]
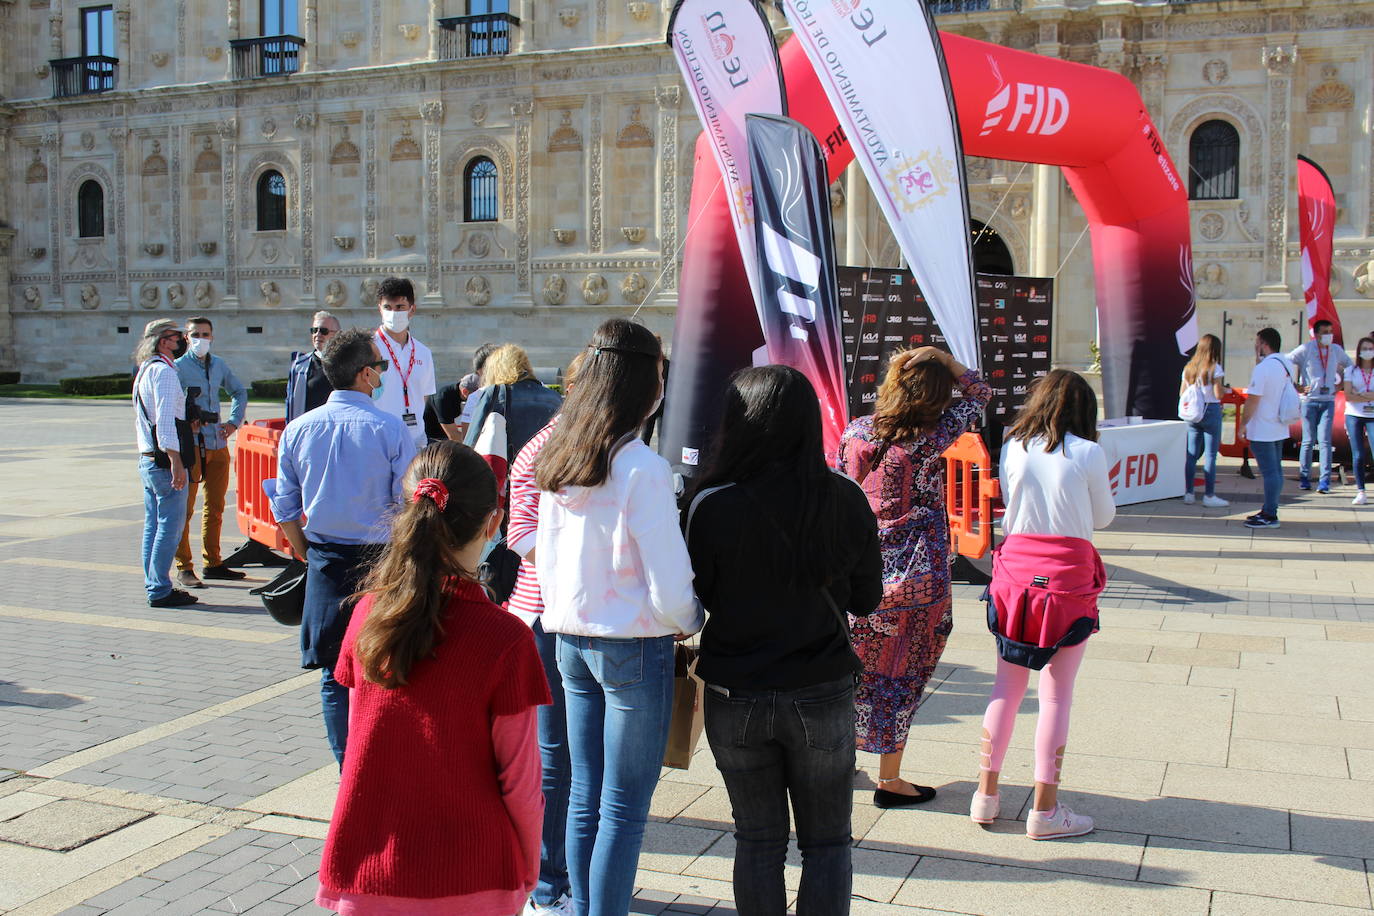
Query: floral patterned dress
[{"x": 901, "y": 643}]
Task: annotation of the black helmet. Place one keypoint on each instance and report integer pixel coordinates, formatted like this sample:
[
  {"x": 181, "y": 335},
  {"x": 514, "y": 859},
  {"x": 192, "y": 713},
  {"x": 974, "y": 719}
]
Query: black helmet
[{"x": 284, "y": 596}]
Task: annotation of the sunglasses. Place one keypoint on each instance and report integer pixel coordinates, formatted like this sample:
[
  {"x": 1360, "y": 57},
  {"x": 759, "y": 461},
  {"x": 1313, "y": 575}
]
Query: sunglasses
[
  {"x": 324, "y": 332},
  {"x": 380, "y": 365},
  {"x": 171, "y": 335}
]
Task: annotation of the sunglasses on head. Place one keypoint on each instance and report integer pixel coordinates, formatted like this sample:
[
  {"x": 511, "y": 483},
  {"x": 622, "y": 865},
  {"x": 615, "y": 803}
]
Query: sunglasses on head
[{"x": 324, "y": 331}]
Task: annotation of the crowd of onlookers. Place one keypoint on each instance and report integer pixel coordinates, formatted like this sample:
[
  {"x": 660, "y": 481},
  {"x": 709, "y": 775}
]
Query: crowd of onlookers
[
  {"x": 1300, "y": 386},
  {"x": 500, "y": 724}
]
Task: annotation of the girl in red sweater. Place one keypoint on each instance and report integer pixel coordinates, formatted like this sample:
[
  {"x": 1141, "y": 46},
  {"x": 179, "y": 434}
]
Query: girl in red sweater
[{"x": 439, "y": 808}]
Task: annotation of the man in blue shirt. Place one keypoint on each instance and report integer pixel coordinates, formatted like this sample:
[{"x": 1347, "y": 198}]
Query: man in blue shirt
[
  {"x": 339, "y": 470},
  {"x": 1321, "y": 364},
  {"x": 201, "y": 369}
]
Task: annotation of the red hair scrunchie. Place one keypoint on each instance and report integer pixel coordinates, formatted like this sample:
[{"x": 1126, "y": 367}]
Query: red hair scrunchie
[{"x": 434, "y": 488}]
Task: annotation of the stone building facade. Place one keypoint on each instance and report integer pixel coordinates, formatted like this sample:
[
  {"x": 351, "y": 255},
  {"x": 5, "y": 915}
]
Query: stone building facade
[{"x": 530, "y": 170}]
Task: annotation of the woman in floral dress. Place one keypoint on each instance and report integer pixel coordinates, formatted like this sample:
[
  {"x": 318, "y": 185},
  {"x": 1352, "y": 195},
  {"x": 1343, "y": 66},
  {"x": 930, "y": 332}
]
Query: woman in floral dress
[{"x": 895, "y": 454}]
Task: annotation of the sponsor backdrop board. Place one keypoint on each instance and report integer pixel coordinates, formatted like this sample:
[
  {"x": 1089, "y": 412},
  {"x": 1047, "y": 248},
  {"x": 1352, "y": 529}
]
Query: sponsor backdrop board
[{"x": 882, "y": 310}]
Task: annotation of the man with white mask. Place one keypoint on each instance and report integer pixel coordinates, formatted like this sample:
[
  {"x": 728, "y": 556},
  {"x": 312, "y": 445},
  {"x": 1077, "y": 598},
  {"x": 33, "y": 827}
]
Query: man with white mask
[
  {"x": 409, "y": 377},
  {"x": 204, "y": 376},
  {"x": 1321, "y": 365},
  {"x": 306, "y": 384}
]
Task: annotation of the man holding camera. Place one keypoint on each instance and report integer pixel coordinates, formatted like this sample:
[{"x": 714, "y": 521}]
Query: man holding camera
[
  {"x": 204, "y": 375},
  {"x": 159, "y": 407}
]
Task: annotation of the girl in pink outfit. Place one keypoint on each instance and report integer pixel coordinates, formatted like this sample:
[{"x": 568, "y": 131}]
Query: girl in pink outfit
[{"x": 1045, "y": 582}]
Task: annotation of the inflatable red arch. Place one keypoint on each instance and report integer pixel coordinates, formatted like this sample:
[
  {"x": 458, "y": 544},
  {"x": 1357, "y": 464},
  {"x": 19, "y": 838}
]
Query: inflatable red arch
[{"x": 1011, "y": 105}]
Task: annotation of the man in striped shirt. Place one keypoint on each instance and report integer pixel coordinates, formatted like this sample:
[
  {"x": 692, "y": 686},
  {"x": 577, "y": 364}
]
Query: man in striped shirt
[{"x": 159, "y": 403}]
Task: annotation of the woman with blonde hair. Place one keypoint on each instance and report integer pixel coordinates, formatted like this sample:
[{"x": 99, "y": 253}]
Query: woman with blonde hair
[
  {"x": 513, "y": 393},
  {"x": 1046, "y": 576},
  {"x": 1204, "y": 435},
  {"x": 895, "y": 455}
]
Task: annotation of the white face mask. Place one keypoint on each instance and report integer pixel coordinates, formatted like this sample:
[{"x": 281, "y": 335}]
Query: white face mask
[
  {"x": 1367, "y": 354},
  {"x": 200, "y": 347},
  {"x": 1326, "y": 339},
  {"x": 396, "y": 321}
]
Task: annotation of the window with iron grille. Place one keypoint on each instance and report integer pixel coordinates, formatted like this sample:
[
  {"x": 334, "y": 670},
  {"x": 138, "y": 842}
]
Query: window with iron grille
[
  {"x": 90, "y": 210},
  {"x": 480, "y": 191},
  {"x": 1214, "y": 162},
  {"x": 271, "y": 202}
]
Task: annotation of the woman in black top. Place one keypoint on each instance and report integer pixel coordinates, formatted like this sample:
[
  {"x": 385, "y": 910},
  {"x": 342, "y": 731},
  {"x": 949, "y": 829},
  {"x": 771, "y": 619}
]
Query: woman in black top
[{"x": 781, "y": 547}]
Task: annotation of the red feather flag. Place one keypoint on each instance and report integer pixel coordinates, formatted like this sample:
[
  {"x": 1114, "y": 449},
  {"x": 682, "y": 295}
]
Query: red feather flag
[{"x": 1316, "y": 228}]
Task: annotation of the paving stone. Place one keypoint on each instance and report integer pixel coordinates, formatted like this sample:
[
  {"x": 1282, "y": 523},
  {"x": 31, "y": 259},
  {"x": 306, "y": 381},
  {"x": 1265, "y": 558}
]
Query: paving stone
[{"x": 67, "y": 824}]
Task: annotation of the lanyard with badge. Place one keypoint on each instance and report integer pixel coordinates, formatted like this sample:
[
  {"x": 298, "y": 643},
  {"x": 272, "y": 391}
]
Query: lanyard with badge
[
  {"x": 409, "y": 415},
  {"x": 1323, "y": 354}
]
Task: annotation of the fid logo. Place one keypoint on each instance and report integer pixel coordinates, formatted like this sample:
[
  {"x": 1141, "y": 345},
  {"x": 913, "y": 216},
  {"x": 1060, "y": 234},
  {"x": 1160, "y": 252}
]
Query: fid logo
[
  {"x": 1140, "y": 471},
  {"x": 1044, "y": 109}
]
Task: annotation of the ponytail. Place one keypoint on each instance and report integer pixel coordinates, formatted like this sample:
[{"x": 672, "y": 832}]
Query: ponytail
[{"x": 409, "y": 583}]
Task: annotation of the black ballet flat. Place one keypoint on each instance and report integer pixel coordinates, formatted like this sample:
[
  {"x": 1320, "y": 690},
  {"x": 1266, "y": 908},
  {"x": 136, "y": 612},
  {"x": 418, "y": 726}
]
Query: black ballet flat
[{"x": 885, "y": 799}]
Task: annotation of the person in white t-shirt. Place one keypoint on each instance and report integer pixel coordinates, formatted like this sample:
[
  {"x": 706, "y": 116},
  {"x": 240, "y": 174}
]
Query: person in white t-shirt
[
  {"x": 409, "y": 376},
  {"x": 1260, "y": 422},
  {"x": 1204, "y": 436},
  {"x": 1359, "y": 411}
]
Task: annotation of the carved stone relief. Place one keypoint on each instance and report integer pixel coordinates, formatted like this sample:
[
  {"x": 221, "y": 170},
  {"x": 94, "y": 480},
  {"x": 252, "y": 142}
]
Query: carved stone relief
[
  {"x": 370, "y": 186},
  {"x": 156, "y": 163},
  {"x": 204, "y": 294},
  {"x": 149, "y": 296},
  {"x": 33, "y": 298},
  {"x": 1211, "y": 225},
  {"x": 555, "y": 289},
  {"x": 90, "y": 297},
  {"x": 1330, "y": 94},
  {"x": 1364, "y": 279},
  {"x": 405, "y": 148},
  {"x": 565, "y": 138},
  {"x": 367, "y": 291},
  {"x": 176, "y": 296},
  {"x": 207, "y": 160},
  {"x": 477, "y": 291},
  {"x": 478, "y": 113},
  {"x": 335, "y": 294},
  {"x": 345, "y": 151},
  {"x": 634, "y": 288},
  {"x": 1216, "y": 71},
  {"x": 634, "y": 134},
  {"x": 1209, "y": 282},
  {"x": 522, "y": 109},
  {"x": 433, "y": 114},
  {"x": 595, "y": 290},
  {"x": 37, "y": 172},
  {"x": 595, "y": 202},
  {"x": 271, "y": 293}
]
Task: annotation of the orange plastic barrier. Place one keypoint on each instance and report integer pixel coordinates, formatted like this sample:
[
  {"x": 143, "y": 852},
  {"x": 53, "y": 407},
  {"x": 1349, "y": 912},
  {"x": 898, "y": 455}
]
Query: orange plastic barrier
[
  {"x": 256, "y": 461},
  {"x": 971, "y": 492},
  {"x": 1238, "y": 444}
]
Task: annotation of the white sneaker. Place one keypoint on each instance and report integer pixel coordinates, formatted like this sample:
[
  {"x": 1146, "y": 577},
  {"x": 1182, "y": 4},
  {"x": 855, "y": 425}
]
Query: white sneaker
[
  {"x": 1359, "y": 499},
  {"x": 560, "y": 907},
  {"x": 983, "y": 809},
  {"x": 1214, "y": 502},
  {"x": 1188, "y": 499},
  {"x": 1057, "y": 824}
]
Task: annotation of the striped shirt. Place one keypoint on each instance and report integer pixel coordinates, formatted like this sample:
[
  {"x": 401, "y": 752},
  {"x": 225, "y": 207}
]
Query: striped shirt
[
  {"x": 158, "y": 387},
  {"x": 526, "y": 601}
]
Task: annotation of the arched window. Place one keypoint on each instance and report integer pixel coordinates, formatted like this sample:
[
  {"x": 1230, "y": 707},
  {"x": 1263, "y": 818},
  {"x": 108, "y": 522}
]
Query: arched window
[
  {"x": 1214, "y": 162},
  {"x": 90, "y": 210},
  {"x": 271, "y": 202},
  {"x": 990, "y": 252},
  {"x": 479, "y": 191}
]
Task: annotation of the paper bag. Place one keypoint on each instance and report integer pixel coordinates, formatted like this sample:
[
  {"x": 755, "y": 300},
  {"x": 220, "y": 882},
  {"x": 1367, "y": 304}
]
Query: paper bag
[{"x": 687, "y": 722}]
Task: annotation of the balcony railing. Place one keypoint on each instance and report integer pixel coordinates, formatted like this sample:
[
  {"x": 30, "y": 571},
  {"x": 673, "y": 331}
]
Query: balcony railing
[
  {"x": 270, "y": 55},
  {"x": 973, "y": 6},
  {"x": 80, "y": 75},
  {"x": 487, "y": 35}
]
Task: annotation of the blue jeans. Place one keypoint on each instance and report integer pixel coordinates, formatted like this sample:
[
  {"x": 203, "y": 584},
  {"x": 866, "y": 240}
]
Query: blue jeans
[
  {"x": 1269, "y": 457},
  {"x": 334, "y": 705},
  {"x": 557, "y": 770},
  {"x": 1358, "y": 429},
  {"x": 1316, "y": 425},
  {"x": 771, "y": 745},
  {"x": 164, "y": 515},
  {"x": 1204, "y": 438},
  {"x": 619, "y": 695}
]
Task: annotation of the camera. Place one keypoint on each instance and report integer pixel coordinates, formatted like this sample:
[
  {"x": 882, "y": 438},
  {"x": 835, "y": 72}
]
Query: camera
[{"x": 194, "y": 413}]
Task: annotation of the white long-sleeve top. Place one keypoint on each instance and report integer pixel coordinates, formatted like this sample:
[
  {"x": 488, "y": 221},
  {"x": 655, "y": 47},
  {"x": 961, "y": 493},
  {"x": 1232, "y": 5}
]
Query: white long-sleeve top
[
  {"x": 1065, "y": 492},
  {"x": 611, "y": 559}
]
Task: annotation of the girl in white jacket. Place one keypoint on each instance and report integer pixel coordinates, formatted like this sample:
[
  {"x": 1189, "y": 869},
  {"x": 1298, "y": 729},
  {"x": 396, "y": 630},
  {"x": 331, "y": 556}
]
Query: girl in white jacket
[{"x": 617, "y": 586}]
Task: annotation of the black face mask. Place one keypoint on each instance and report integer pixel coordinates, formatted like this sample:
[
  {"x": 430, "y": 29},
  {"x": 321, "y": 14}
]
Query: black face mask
[{"x": 180, "y": 349}]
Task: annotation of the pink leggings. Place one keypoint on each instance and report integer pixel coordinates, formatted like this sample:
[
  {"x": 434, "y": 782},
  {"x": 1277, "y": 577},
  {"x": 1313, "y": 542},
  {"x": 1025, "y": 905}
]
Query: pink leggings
[{"x": 1052, "y": 726}]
